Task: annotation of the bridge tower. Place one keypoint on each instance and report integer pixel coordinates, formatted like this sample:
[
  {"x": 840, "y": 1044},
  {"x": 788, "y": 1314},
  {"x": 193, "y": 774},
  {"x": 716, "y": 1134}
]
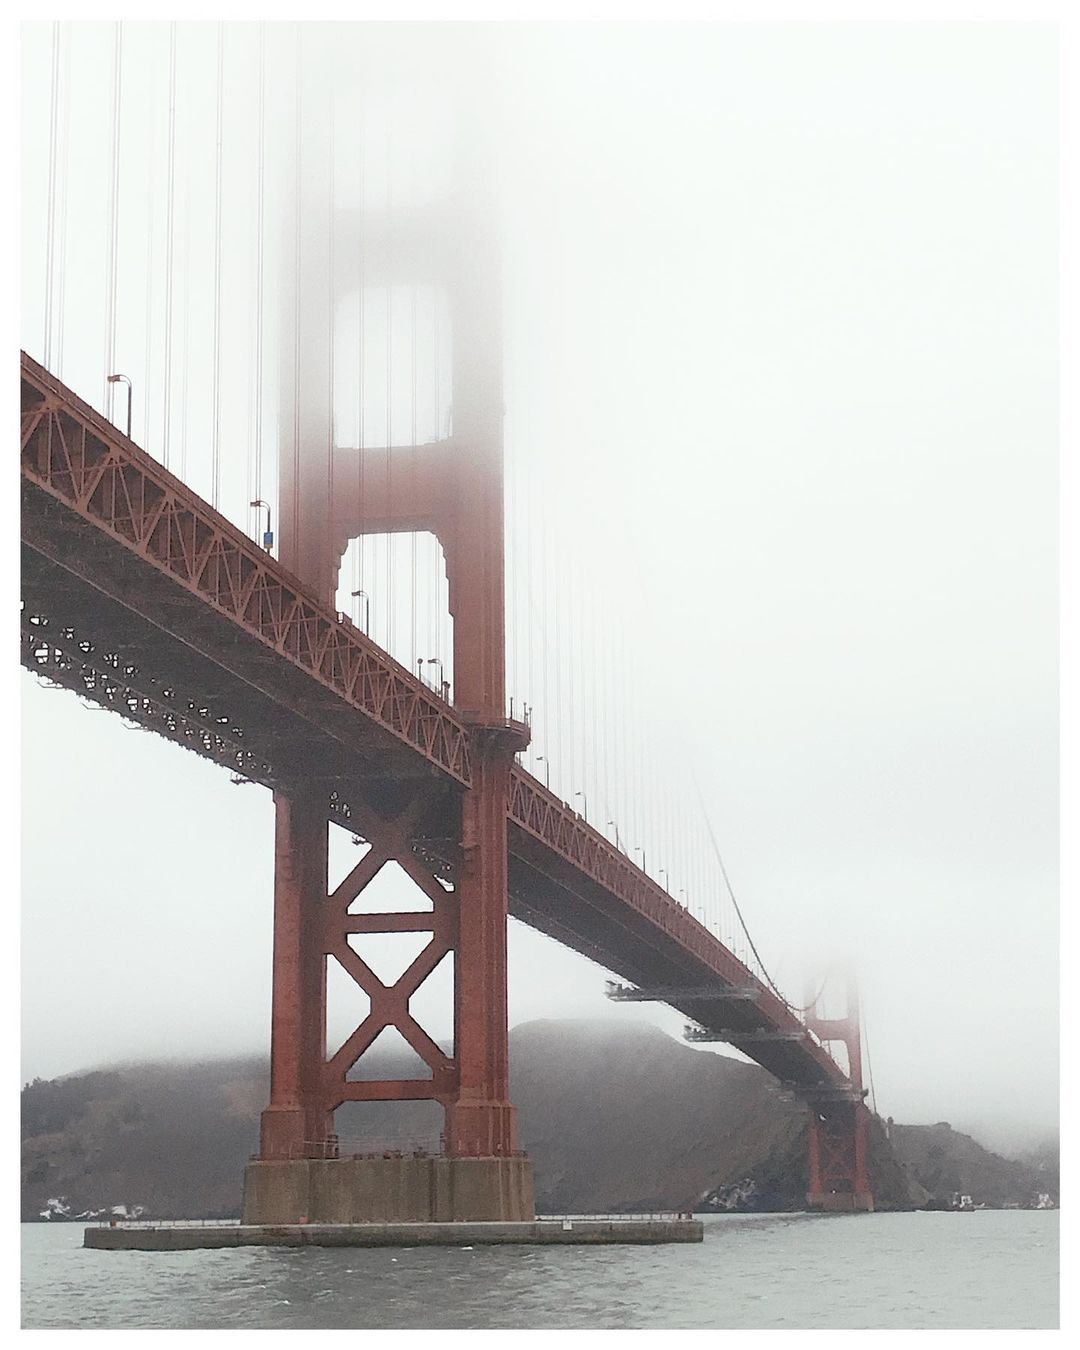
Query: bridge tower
[
  {"x": 839, "y": 1121},
  {"x": 331, "y": 494}
]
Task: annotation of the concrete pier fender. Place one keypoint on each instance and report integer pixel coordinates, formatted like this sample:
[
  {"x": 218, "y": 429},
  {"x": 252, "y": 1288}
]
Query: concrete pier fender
[{"x": 556, "y": 1232}]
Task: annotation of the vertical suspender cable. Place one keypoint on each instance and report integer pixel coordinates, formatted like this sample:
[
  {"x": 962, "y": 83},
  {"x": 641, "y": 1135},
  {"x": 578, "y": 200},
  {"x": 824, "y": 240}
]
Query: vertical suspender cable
[
  {"x": 592, "y": 710},
  {"x": 364, "y": 599},
  {"x": 510, "y": 497},
  {"x": 50, "y": 206},
  {"x": 414, "y": 640},
  {"x": 170, "y": 229},
  {"x": 390, "y": 598},
  {"x": 331, "y": 232},
  {"x": 547, "y": 591},
  {"x": 114, "y": 220},
  {"x": 558, "y": 649},
  {"x": 566, "y": 646},
  {"x": 298, "y": 187},
  {"x": 412, "y": 436},
  {"x": 61, "y": 263},
  {"x": 185, "y": 355},
  {"x": 149, "y": 383},
  {"x": 573, "y": 668},
  {"x": 623, "y": 812},
  {"x": 256, "y": 484},
  {"x": 535, "y": 674},
  {"x": 215, "y": 496},
  {"x": 606, "y": 743},
  {"x": 436, "y": 551},
  {"x": 436, "y": 329}
]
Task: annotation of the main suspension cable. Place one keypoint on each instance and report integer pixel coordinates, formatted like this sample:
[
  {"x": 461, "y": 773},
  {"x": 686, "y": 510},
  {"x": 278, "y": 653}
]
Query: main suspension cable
[
  {"x": 792, "y": 1007},
  {"x": 865, "y": 1041}
]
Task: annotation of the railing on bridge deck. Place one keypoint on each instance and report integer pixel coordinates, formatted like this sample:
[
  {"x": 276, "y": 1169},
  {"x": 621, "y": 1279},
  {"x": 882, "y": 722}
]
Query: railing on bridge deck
[{"x": 76, "y": 456}]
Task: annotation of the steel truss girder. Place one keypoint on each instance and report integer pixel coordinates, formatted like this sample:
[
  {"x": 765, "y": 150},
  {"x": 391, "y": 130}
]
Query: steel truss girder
[
  {"x": 74, "y": 663},
  {"x": 624, "y": 993},
  {"x": 733, "y": 1036},
  {"x": 72, "y": 453}
]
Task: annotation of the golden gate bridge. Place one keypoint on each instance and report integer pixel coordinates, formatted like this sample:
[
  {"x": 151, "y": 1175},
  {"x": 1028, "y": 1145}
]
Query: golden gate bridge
[{"x": 317, "y": 559}]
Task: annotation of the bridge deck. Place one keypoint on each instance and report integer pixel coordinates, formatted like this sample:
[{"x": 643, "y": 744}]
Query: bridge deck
[{"x": 139, "y": 596}]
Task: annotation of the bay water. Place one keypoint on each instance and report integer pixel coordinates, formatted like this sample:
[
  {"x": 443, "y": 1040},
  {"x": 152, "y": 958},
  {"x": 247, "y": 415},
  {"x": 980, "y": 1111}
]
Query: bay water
[{"x": 987, "y": 1269}]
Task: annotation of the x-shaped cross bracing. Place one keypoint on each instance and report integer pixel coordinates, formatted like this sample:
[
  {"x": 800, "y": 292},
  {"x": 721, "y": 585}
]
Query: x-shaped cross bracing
[{"x": 390, "y": 842}]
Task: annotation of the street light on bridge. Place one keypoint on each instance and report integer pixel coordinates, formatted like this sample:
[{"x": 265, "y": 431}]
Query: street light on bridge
[
  {"x": 268, "y": 533},
  {"x": 363, "y": 595},
  {"x": 444, "y": 684},
  {"x": 116, "y": 379}
]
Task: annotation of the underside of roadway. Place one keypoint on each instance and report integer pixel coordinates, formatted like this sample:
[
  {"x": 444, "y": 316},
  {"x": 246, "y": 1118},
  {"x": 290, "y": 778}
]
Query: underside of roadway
[{"x": 105, "y": 622}]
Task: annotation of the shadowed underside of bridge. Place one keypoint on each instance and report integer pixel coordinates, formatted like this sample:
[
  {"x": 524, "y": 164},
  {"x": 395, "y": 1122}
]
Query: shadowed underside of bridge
[{"x": 140, "y": 597}]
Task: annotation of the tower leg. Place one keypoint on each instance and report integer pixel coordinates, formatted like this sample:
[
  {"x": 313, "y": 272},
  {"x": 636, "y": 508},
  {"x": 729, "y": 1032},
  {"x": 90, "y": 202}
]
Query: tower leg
[
  {"x": 480, "y": 1121},
  {"x": 839, "y": 1180},
  {"x": 299, "y": 1176},
  {"x": 296, "y": 1123}
]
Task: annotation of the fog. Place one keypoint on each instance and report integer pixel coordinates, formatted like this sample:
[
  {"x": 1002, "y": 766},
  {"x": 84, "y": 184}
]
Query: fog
[{"x": 779, "y": 306}]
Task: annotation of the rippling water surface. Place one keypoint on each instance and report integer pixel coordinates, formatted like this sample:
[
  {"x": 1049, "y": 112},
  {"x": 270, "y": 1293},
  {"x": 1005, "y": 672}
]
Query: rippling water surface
[{"x": 987, "y": 1269}]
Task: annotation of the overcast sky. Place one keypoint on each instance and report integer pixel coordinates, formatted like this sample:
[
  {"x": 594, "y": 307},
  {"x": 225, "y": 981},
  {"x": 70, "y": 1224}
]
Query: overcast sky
[{"x": 781, "y": 327}]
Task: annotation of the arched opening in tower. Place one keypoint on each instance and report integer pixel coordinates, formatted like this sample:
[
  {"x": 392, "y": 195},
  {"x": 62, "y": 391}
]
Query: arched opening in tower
[{"x": 393, "y": 586}]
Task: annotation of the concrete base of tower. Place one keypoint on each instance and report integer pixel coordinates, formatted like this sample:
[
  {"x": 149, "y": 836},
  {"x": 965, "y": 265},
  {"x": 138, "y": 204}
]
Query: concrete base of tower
[
  {"x": 842, "y": 1202},
  {"x": 389, "y": 1190}
]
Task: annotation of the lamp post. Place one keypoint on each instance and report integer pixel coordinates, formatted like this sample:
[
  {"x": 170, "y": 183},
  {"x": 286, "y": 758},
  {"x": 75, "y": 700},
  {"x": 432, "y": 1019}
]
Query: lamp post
[
  {"x": 541, "y": 759},
  {"x": 116, "y": 379},
  {"x": 363, "y": 595},
  {"x": 584, "y": 803},
  {"x": 268, "y": 533},
  {"x": 639, "y": 849},
  {"x": 618, "y": 841},
  {"x": 444, "y": 685}
]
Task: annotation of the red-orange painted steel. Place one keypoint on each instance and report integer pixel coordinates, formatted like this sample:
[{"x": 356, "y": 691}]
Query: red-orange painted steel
[
  {"x": 481, "y": 1120},
  {"x": 73, "y": 453},
  {"x": 838, "y": 1128},
  {"x": 838, "y": 1155},
  {"x": 147, "y": 564},
  {"x": 297, "y": 1112}
]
